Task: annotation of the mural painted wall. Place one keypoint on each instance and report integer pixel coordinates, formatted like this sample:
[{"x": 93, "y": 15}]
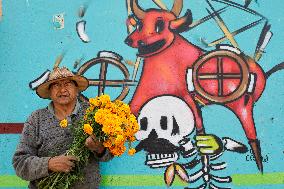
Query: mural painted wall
[{"x": 204, "y": 78}]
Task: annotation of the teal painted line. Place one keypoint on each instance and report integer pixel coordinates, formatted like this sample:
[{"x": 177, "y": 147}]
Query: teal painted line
[{"x": 13, "y": 181}]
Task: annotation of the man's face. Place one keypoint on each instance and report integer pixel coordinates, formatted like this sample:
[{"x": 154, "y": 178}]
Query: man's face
[{"x": 63, "y": 92}]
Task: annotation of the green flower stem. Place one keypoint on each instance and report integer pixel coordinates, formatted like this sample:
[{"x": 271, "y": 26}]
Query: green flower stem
[
  {"x": 46, "y": 182},
  {"x": 55, "y": 181}
]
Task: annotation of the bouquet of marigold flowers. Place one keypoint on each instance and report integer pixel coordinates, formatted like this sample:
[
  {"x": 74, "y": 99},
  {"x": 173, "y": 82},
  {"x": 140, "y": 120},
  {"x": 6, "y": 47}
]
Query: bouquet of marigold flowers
[{"x": 112, "y": 123}]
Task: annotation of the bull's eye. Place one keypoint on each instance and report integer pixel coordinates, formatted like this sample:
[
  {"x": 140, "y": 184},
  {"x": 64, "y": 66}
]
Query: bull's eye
[
  {"x": 139, "y": 26},
  {"x": 143, "y": 123},
  {"x": 159, "y": 26},
  {"x": 164, "y": 122}
]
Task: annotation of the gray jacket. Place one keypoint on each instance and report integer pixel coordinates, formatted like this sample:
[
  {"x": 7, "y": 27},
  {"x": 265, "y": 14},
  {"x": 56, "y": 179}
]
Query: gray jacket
[{"x": 42, "y": 138}]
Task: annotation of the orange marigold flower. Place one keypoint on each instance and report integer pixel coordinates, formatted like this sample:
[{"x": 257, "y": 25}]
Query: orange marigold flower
[
  {"x": 107, "y": 143},
  {"x": 117, "y": 150},
  {"x": 115, "y": 121},
  {"x": 117, "y": 128},
  {"x": 94, "y": 102},
  {"x": 106, "y": 129},
  {"x": 104, "y": 99},
  {"x": 92, "y": 108},
  {"x": 131, "y": 151},
  {"x": 88, "y": 129},
  {"x": 119, "y": 139},
  {"x": 132, "y": 138},
  {"x": 63, "y": 123},
  {"x": 103, "y": 115},
  {"x": 125, "y": 108},
  {"x": 135, "y": 127},
  {"x": 121, "y": 114},
  {"x": 118, "y": 102},
  {"x": 111, "y": 107}
]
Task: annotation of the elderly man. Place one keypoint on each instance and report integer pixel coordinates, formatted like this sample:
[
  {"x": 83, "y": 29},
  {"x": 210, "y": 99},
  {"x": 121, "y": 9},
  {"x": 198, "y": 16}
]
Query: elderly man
[{"x": 44, "y": 142}]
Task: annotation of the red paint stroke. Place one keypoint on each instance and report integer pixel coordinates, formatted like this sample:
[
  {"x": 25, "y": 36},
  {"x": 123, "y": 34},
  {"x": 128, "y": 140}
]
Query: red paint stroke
[
  {"x": 1, "y": 12},
  {"x": 11, "y": 128}
]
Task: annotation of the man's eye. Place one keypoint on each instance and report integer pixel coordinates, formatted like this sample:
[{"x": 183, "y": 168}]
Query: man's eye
[
  {"x": 68, "y": 84},
  {"x": 56, "y": 85}
]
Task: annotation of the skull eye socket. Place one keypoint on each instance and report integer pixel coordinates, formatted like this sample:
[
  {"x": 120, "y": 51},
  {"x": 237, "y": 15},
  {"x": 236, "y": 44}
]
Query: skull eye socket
[
  {"x": 164, "y": 122},
  {"x": 159, "y": 26},
  {"x": 143, "y": 123}
]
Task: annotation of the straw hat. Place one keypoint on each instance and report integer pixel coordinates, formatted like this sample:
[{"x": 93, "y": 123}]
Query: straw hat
[{"x": 60, "y": 74}]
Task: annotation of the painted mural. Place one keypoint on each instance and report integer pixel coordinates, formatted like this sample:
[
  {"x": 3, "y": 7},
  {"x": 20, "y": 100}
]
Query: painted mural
[{"x": 203, "y": 77}]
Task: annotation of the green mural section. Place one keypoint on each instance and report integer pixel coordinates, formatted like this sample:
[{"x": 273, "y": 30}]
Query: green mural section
[{"x": 157, "y": 180}]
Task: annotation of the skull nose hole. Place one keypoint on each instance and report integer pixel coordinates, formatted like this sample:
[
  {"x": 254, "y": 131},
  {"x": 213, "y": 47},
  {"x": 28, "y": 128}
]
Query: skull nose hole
[{"x": 153, "y": 135}]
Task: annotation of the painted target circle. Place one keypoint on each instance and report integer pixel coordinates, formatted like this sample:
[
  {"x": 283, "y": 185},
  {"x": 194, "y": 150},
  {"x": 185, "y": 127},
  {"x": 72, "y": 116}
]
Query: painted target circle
[
  {"x": 221, "y": 76},
  {"x": 101, "y": 82}
]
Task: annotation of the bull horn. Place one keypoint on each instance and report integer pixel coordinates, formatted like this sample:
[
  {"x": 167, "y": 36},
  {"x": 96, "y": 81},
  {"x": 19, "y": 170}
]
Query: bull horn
[
  {"x": 177, "y": 7},
  {"x": 181, "y": 24},
  {"x": 137, "y": 10}
]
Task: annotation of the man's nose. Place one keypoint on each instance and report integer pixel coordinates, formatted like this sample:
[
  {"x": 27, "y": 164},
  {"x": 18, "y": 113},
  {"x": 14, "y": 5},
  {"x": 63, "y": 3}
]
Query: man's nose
[{"x": 63, "y": 88}]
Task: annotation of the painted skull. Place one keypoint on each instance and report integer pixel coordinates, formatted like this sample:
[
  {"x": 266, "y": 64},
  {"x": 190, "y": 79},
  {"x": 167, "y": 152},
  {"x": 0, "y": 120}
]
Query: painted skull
[{"x": 165, "y": 122}]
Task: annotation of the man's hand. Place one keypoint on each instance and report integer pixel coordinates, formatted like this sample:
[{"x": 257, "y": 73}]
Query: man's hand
[
  {"x": 94, "y": 145},
  {"x": 208, "y": 144},
  {"x": 61, "y": 163}
]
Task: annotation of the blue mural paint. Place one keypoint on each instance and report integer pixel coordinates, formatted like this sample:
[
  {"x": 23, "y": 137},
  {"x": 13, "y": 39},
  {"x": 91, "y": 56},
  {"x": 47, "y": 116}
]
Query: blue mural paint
[{"x": 29, "y": 45}]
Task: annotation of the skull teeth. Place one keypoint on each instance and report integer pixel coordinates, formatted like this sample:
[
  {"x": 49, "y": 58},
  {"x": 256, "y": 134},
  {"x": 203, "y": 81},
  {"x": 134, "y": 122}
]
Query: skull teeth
[
  {"x": 161, "y": 160},
  {"x": 160, "y": 156}
]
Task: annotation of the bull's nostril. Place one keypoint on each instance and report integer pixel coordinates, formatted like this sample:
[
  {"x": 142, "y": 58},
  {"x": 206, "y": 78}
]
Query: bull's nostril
[
  {"x": 128, "y": 41},
  {"x": 141, "y": 43}
]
